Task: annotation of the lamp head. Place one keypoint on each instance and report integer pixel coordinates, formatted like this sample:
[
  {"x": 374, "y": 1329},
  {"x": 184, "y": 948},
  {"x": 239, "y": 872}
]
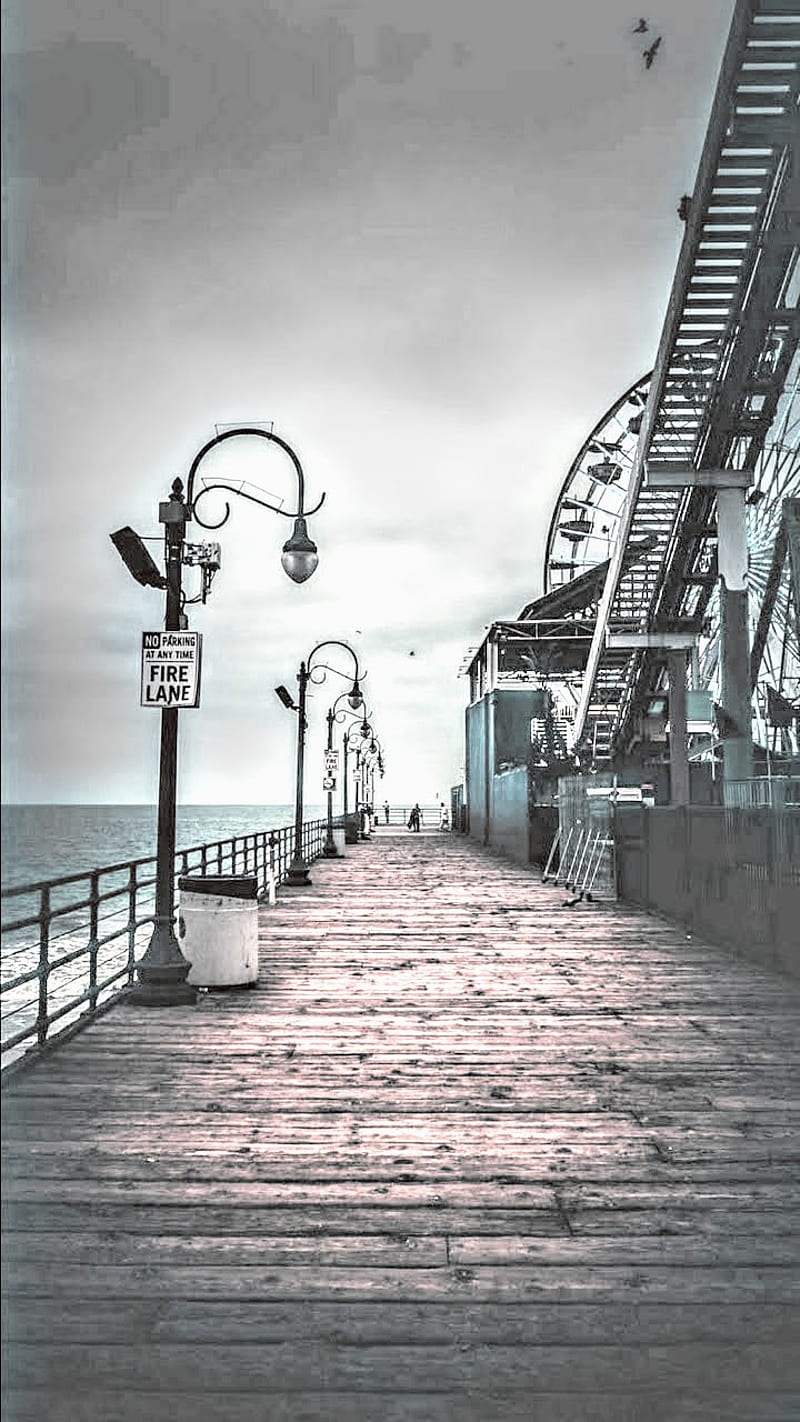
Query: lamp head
[
  {"x": 299, "y": 556},
  {"x": 285, "y": 697},
  {"x": 355, "y": 698}
]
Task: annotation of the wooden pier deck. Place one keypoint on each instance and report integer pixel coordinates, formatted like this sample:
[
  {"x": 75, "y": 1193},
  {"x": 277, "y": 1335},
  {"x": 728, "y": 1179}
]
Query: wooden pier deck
[{"x": 464, "y": 1155}]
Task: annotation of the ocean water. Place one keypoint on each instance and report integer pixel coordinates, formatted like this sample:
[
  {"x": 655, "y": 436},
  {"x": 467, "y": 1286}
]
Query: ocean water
[{"x": 47, "y": 841}]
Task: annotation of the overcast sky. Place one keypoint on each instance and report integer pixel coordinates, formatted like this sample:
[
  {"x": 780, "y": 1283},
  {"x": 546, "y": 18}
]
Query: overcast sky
[{"x": 430, "y": 242}]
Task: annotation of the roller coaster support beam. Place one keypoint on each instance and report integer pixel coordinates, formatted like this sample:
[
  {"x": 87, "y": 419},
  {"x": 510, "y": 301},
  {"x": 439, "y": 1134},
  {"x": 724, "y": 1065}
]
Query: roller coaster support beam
[
  {"x": 737, "y": 749},
  {"x": 730, "y": 485}
]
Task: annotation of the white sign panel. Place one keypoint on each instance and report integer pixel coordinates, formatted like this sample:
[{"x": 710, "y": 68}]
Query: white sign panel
[
  {"x": 331, "y": 761},
  {"x": 171, "y": 669}
]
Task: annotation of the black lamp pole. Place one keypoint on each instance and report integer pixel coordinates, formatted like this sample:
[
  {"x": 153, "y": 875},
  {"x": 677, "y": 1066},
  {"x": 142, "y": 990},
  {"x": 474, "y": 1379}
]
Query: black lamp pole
[
  {"x": 298, "y": 869},
  {"x": 330, "y": 844},
  {"x": 334, "y": 715},
  {"x": 163, "y": 970},
  {"x": 298, "y": 873}
]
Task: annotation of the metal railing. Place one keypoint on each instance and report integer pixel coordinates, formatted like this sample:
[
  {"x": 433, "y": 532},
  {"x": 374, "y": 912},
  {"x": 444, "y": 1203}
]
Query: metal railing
[
  {"x": 398, "y": 815},
  {"x": 69, "y": 946},
  {"x": 776, "y": 791}
]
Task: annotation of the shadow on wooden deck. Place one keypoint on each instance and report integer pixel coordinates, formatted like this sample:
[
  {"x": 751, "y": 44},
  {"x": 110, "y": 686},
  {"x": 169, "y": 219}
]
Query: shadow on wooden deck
[{"x": 463, "y": 1155}]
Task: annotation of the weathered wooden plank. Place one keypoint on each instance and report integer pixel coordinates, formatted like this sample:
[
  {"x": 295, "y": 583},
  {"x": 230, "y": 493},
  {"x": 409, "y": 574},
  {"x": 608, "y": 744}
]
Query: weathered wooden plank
[
  {"x": 338, "y": 1217},
  {"x": 555, "y": 1283},
  {"x": 667, "y": 1195},
  {"x": 112, "y": 1320},
  {"x": 673, "y": 1250},
  {"x": 618, "y": 1168},
  {"x": 104, "y": 1405},
  {"x": 398, "y": 1250},
  {"x": 519, "y": 1369}
]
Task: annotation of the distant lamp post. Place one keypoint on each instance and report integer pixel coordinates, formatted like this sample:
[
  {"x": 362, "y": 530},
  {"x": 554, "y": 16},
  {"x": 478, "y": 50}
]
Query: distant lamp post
[
  {"x": 358, "y": 741},
  {"x": 351, "y": 742},
  {"x": 371, "y": 759},
  {"x": 337, "y": 713},
  {"x": 297, "y": 873},
  {"x": 375, "y": 762},
  {"x": 162, "y": 971}
]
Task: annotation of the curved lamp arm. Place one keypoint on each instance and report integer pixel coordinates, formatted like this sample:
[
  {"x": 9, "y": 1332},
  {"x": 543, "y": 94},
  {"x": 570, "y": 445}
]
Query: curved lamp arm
[
  {"x": 299, "y": 552},
  {"x": 339, "y": 713},
  {"x": 355, "y": 695}
]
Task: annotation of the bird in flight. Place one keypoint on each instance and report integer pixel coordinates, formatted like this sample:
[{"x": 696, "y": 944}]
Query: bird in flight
[
  {"x": 649, "y": 54},
  {"x": 641, "y": 28}
]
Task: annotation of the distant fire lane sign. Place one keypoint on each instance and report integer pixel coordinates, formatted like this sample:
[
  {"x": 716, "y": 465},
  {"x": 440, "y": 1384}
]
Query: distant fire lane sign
[{"x": 171, "y": 669}]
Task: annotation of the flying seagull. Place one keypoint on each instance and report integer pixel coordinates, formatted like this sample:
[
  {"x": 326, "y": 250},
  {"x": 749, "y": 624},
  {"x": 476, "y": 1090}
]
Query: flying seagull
[
  {"x": 649, "y": 55},
  {"x": 641, "y": 28}
]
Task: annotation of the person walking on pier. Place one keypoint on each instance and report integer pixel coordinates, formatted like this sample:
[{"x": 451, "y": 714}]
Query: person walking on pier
[
  {"x": 386, "y": 811},
  {"x": 415, "y": 818}
]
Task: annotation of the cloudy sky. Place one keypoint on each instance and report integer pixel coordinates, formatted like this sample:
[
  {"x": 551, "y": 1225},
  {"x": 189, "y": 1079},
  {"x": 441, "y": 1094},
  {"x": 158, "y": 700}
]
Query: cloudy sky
[{"x": 430, "y": 242}]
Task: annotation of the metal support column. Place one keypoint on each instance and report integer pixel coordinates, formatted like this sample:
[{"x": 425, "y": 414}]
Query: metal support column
[
  {"x": 734, "y": 634},
  {"x": 680, "y": 793}
]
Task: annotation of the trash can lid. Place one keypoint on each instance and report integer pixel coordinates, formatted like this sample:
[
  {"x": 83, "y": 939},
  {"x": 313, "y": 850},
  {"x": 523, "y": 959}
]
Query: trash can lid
[{"x": 227, "y": 886}]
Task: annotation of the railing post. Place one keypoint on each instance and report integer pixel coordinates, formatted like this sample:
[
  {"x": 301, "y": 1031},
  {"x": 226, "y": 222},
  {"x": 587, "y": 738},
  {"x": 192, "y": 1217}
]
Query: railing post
[
  {"x": 94, "y": 911},
  {"x": 132, "y": 915},
  {"x": 44, "y": 964},
  {"x": 203, "y": 858}
]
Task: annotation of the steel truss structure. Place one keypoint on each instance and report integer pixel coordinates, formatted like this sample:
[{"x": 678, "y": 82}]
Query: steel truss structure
[
  {"x": 628, "y": 556},
  {"x": 725, "y": 361}
]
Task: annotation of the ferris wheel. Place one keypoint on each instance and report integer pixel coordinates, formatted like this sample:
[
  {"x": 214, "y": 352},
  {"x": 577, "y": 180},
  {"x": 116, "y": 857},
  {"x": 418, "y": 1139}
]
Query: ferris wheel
[{"x": 584, "y": 526}]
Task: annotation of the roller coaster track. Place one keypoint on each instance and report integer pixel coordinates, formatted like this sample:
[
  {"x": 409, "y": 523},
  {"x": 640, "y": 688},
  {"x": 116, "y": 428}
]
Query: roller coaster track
[{"x": 728, "y": 351}]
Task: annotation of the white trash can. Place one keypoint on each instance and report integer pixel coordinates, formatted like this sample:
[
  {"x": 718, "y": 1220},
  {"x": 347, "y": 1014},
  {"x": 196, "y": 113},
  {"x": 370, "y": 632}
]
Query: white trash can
[
  {"x": 218, "y": 928},
  {"x": 339, "y": 833}
]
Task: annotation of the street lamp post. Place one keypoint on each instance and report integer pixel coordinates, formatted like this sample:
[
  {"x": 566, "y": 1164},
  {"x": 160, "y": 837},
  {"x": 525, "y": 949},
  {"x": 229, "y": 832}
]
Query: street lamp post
[
  {"x": 370, "y": 757},
  {"x": 297, "y": 873},
  {"x": 163, "y": 970},
  {"x": 363, "y": 732},
  {"x": 375, "y": 762},
  {"x": 332, "y": 716}
]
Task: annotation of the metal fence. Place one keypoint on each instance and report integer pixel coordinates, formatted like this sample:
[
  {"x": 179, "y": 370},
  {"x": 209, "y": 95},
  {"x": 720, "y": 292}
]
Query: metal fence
[
  {"x": 70, "y": 945},
  {"x": 732, "y": 872}
]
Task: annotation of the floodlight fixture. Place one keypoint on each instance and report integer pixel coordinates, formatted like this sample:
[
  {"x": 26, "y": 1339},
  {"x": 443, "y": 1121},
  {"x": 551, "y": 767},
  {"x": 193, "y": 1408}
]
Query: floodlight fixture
[
  {"x": 137, "y": 559},
  {"x": 285, "y": 698}
]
